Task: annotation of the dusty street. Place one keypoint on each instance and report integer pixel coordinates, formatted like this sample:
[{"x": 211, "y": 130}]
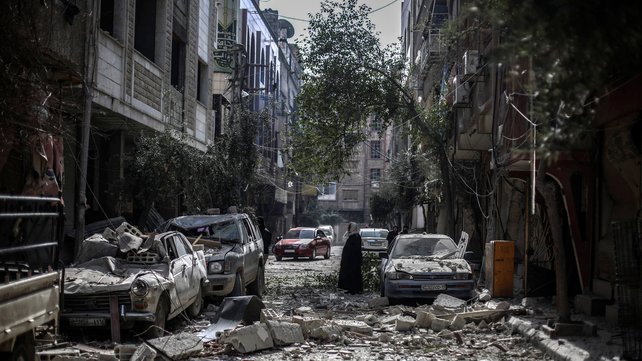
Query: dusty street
[{"x": 355, "y": 327}]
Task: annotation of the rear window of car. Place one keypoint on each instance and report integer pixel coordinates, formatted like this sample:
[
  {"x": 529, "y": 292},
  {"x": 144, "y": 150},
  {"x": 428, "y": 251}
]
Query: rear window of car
[
  {"x": 300, "y": 233},
  {"x": 423, "y": 247},
  {"x": 377, "y": 233}
]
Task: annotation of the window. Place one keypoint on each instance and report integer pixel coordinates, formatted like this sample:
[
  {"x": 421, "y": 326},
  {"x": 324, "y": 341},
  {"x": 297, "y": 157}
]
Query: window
[
  {"x": 328, "y": 191},
  {"x": 375, "y": 124},
  {"x": 178, "y": 62},
  {"x": 145, "y": 30},
  {"x": 107, "y": 15},
  {"x": 201, "y": 86},
  {"x": 179, "y": 246},
  {"x": 375, "y": 149},
  {"x": 112, "y": 17},
  {"x": 350, "y": 195},
  {"x": 375, "y": 177}
]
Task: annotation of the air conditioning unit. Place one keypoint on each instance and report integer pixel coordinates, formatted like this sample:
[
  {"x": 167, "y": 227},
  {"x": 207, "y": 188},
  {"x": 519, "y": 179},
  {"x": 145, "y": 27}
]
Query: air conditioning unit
[
  {"x": 462, "y": 92},
  {"x": 471, "y": 62}
]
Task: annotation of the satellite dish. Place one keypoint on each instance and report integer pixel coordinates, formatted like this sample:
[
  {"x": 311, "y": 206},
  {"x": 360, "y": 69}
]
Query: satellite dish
[{"x": 289, "y": 29}]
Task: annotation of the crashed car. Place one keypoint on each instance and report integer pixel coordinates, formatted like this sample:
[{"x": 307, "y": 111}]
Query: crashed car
[
  {"x": 423, "y": 266},
  {"x": 144, "y": 279},
  {"x": 233, "y": 252}
]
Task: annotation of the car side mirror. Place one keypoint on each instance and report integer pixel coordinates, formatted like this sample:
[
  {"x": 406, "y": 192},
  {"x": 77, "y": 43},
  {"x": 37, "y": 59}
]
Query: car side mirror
[{"x": 383, "y": 255}]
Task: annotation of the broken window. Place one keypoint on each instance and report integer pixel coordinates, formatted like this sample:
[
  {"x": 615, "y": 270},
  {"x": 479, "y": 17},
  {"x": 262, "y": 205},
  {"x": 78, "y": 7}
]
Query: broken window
[
  {"x": 112, "y": 17},
  {"x": 145, "y": 29}
]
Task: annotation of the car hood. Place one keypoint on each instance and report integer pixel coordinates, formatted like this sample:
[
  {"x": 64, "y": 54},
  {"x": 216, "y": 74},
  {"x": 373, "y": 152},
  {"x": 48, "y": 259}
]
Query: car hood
[
  {"x": 414, "y": 265},
  {"x": 217, "y": 253},
  {"x": 293, "y": 241},
  {"x": 111, "y": 274}
]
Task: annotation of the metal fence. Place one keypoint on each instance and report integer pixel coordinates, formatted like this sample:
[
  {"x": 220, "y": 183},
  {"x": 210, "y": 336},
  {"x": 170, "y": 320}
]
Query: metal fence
[{"x": 627, "y": 238}]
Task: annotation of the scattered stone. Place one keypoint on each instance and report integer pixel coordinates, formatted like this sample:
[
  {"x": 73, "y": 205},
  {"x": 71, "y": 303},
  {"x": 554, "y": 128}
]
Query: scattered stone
[
  {"x": 445, "y": 334},
  {"x": 269, "y": 314},
  {"x": 303, "y": 310},
  {"x": 458, "y": 323},
  {"x": 326, "y": 332},
  {"x": 249, "y": 338},
  {"x": 395, "y": 310},
  {"x": 144, "y": 353},
  {"x": 482, "y": 325},
  {"x": 424, "y": 319},
  {"x": 439, "y": 324},
  {"x": 354, "y": 326},
  {"x": 125, "y": 351},
  {"x": 448, "y": 302},
  {"x": 404, "y": 323},
  {"x": 308, "y": 323},
  {"x": 385, "y": 337},
  {"x": 497, "y": 305},
  {"x": 378, "y": 302},
  {"x": 285, "y": 333},
  {"x": 484, "y": 295}
]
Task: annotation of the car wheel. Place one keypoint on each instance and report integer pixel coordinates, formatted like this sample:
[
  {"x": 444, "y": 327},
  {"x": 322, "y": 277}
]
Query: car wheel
[
  {"x": 258, "y": 286},
  {"x": 239, "y": 289},
  {"x": 314, "y": 254},
  {"x": 157, "y": 329},
  {"x": 327, "y": 253},
  {"x": 197, "y": 306}
]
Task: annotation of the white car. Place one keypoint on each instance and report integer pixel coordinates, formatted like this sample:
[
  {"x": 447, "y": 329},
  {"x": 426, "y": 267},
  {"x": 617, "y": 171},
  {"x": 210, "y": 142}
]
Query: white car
[
  {"x": 329, "y": 232},
  {"x": 374, "y": 239}
]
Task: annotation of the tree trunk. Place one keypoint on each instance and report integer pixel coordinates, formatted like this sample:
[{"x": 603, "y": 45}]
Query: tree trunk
[{"x": 549, "y": 191}]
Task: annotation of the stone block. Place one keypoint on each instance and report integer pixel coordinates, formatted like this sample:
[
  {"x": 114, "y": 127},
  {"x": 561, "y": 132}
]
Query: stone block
[
  {"x": 458, "y": 323},
  {"x": 484, "y": 295},
  {"x": 285, "y": 333},
  {"x": 303, "y": 310},
  {"x": 378, "y": 302},
  {"x": 308, "y": 323},
  {"x": 269, "y": 314},
  {"x": 144, "y": 353},
  {"x": 448, "y": 302},
  {"x": 404, "y": 323},
  {"x": 424, "y": 319},
  {"x": 251, "y": 338},
  {"x": 497, "y": 305},
  {"x": 439, "y": 324},
  {"x": 326, "y": 332},
  {"x": 354, "y": 326}
]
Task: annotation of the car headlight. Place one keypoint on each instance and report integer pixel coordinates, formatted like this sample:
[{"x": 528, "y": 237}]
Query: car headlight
[
  {"x": 214, "y": 267},
  {"x": 140, "y": 287},
  {"x": 304, "y": 246},
  {"x": 400, "y": 276},
  {"x": 461, "y": 276}
]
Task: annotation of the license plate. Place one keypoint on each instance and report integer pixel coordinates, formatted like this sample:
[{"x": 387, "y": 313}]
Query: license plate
[
  {"x": 86, "y": 322},
  {"x": 433, "y": 287},
  {"x": 375, "y": 244},
  {"x": 288, "y": 251}
]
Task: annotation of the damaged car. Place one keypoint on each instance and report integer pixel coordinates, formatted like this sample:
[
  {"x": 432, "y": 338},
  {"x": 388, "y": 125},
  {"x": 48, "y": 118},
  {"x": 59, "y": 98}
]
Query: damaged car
[
  {"x": 423, "y": 266},
  {"x": 234, "y": 252},
  {"x": 144, "y": 280}
]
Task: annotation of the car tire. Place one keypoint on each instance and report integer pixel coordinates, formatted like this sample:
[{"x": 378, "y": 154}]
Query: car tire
[
  {"x": 314, "y": 254},
  {"x": 327, "y": 253},
  {"x": 157, "y": 328},
  {"x": 257, "y": 287},
  {"x": 239, "y": 289},
  {"x": 196, "y": 307}
]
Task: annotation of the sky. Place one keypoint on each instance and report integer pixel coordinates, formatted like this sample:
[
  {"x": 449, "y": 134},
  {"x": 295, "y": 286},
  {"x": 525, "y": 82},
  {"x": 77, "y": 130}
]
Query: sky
[{"x": 387, "y": 20}]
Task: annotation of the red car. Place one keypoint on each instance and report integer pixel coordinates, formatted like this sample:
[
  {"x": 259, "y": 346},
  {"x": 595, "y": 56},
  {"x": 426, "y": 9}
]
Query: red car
[{"x": 303, "y": 242}]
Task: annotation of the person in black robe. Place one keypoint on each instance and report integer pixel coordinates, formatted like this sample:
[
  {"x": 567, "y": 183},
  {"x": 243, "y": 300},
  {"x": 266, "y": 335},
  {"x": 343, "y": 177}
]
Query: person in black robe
[{"x": 350, "y": 278}]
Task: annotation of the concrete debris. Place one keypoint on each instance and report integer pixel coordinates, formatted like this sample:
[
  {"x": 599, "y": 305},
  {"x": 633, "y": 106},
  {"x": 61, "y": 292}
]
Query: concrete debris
[
  {"x": 497, "y": 305},
  {"x": 303, "y": 310},
  {"x": 484, "y": 295},
  {"x": 307, "y": 323},
  {"x": 378, "y": 302},
  {"x": 59, "y": 353},
  {"x": 144, "y": 353},
  {"x": 445, "y": 301},
  {"x": 404, "y": 323},
  {"x": 285, "y": 333},
  {"x": 370, "y": 320},
  {"x": 329, "y": 332},
  {"x": 177, "y": 347},
  {"x": 445, "y": 334},
  {"x": 424, "y": 319},
  {"x": 269, "y": 314},
  {"x": 251, "y": 338},
  {"x": 458, "y": 323},
  {"x": 125, "y": 352},
  {"x": 482, "y": 325},
  {"x": 354, "y": 326},
  {"x": 439, "y": 324},
  {"x": 385, "y": 337}
]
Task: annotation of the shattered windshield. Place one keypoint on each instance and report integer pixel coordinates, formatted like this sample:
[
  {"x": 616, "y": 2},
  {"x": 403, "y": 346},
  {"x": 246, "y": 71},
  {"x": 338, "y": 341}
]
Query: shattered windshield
[
  {"x": 221, "y": 231},
  {"x": 299, "y": 233},
  {"x": 424, "y": 247}
]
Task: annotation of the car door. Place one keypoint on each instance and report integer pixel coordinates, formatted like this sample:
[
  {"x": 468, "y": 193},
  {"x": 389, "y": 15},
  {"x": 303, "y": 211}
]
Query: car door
[
  {"x": 323, "y": 241},
  {"x": 251, "y": 251},
  {"x": 181, "y": 268}
]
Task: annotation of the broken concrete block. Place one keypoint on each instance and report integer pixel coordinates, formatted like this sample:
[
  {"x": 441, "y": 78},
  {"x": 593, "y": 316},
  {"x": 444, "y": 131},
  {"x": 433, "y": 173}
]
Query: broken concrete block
[
  {"x": 389, "y": 319},
  {"x": 482, "y": 324},
  {"x": 484, "y": 295},
  {"x": 458, "y": 323},
  {"x": 144, "y": 353},
  {"x": 445, "y": 334},
  {"x": 249, "y": 338},
  {"x": 448, "y": 302},
  {"x": 424, "y": 319},
  {"x": 124, "y": 352},
  {"x": 378, "y": 302},
  {"x": 385, "y": 337},
  {"x": 269, "y": 314},
  {"x": 307, "y": 323},
  {"x": 439, "y": 324},
  {"x": 354, "y": 326},
  {"x": 404, "y": 323},
  {"x": 497, "y": 305},
  {"x": 395, "y": 310},
  {"x": 370, "y": 320},
  {"x": 179, "y": 346},
  {"x": 285, "y": 333},
  {"x": 303, "y": 310},
  {"x": 326, "y": 332}
]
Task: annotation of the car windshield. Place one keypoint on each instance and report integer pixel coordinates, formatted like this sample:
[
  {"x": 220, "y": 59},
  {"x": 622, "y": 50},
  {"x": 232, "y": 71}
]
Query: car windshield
[
  {"x": 423, "y": 247},
  {"x": 299, "y": 233},
  {"x": 375, "y": 233},
  {"x": 220, "y": 231}
]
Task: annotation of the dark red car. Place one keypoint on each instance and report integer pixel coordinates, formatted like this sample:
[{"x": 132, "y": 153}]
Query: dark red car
[{"x": 303, "y": 242}]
